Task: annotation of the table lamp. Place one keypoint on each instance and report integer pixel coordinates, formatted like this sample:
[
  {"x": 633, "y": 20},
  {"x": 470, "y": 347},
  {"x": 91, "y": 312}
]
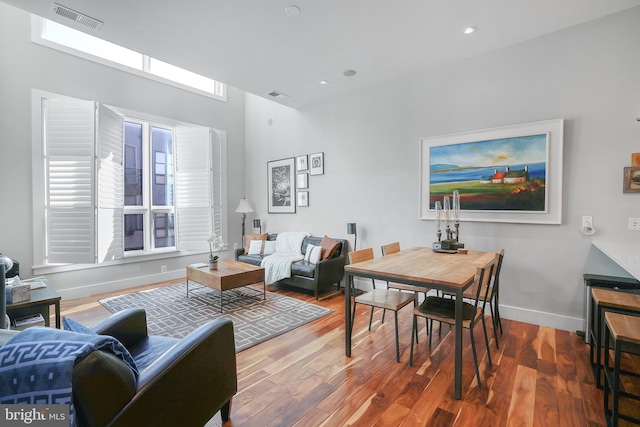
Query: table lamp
[
  {"x": 244, "y": 207},
  {"x": 351, "y": 229}
]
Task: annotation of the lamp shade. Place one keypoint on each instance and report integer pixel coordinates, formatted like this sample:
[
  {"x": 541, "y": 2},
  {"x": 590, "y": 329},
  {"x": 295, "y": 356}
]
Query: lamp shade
[
  {"x": 244, "y": 206},
  {"x": 351, "y": 228}
]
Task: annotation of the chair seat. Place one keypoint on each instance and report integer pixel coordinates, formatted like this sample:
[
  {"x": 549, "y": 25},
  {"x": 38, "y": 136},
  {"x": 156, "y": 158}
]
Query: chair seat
[
  {"x": 384, "y": 298},
  {"x": 444, "y": 310}
]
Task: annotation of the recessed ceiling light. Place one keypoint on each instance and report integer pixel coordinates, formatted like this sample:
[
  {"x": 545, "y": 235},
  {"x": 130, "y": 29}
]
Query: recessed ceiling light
[
  {"x": 469, "y": 30},
  {"x": 350, "y": 73},
  {"x": 324, "y": 82},
  {"x": 292, "y": 10}
]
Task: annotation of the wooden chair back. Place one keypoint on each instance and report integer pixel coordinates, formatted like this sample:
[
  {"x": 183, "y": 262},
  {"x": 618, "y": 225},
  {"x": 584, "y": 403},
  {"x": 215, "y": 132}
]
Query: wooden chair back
[
  {"x": 361, "y": 255},
  {"x": 482, "y": 282},
  {"x": 391, "y": 248}
]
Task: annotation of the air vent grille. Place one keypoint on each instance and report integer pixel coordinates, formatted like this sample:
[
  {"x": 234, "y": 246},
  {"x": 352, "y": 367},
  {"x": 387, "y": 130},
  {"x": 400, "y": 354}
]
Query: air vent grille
[
  {"x": 277, "y": 95},
  {"x": 78, "y": 17}
]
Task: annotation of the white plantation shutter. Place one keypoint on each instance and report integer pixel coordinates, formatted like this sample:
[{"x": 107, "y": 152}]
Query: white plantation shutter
[
  {"x": 193, "y": 187},
  {"x": 216, "y": 179},
  {"x": 110, "y": 162},
  {"x": 69, "y": 171}
]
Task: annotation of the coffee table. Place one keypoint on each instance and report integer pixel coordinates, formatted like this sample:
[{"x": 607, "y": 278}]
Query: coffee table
[{"x": 229, "y": 275}]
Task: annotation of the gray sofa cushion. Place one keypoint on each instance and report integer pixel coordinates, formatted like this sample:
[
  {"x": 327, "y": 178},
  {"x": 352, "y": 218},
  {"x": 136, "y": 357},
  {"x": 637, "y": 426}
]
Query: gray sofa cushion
[{"x": 251, "y": 259}]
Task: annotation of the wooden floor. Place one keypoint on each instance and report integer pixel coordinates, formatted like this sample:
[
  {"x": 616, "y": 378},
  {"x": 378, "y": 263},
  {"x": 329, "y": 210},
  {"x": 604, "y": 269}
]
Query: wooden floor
[{"x": 540, "y": 376}]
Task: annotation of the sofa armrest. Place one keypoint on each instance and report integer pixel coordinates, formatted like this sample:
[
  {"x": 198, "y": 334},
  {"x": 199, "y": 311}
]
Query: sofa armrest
[
  {"x": 195, "y": 378},
  {"x": 330, "y": 270},
  {"x": 127, "y": 326},
  {"x": 238, "y": 252}
]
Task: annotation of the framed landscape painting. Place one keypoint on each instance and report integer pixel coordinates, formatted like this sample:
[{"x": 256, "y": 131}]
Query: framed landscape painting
[
  {"x": 281, "y": 186},
  {"x": 507, "y": 174}
]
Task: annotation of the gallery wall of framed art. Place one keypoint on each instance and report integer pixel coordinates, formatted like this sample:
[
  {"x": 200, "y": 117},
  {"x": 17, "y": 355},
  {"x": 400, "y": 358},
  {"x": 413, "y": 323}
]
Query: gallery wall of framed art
[{"x": 285, "y": 179}]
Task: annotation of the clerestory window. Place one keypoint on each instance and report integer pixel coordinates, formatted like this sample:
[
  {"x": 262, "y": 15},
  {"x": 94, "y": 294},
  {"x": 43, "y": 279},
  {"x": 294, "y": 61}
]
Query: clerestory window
[{"x": 75, "y": 42}]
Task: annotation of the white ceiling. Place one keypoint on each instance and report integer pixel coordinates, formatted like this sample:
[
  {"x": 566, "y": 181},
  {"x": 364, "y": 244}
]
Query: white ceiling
[{"x": 255, "y": 46}]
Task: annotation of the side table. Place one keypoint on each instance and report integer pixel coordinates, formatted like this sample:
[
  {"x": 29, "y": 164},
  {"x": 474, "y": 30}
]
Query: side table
[{"x": 41, "y": 300}]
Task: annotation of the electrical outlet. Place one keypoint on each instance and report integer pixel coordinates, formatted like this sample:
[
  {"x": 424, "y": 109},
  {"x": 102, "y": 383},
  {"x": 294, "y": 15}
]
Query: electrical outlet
[
  {"x": 163, "y": 269},
  {"x": 587, "y": 221},
  {"x": 634, "y": 224}
]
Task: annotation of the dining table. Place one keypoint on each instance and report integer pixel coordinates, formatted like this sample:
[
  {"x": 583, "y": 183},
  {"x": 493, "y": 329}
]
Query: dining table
[{"x": 422, "y": 266}]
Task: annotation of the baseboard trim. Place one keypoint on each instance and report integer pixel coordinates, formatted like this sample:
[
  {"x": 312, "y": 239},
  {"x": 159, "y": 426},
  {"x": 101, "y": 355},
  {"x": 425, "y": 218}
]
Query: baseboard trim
[
  {"x": 542, "y": 318},
  {"x": 120, "y": 284}
]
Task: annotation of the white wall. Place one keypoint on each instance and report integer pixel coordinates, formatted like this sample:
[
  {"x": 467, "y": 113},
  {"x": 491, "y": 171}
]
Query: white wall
[
  {"x": 587, "y": 75},
  {"x": 25, "y": 65}
]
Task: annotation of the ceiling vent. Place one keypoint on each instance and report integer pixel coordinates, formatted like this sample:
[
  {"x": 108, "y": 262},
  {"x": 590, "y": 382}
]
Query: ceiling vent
[
  {"x": 78, "y": 17},
  {"x": 277, "y": 95}
]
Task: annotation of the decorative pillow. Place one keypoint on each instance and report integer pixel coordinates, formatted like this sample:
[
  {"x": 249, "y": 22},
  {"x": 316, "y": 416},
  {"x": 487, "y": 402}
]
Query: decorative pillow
[
  {"x": 269, "y": 247},
  {"x": 249, "y": 237},
  {"x": 313, "y": 254},
  {"x": 329, "y": 247},
  {"x": 255, "y": 248}
]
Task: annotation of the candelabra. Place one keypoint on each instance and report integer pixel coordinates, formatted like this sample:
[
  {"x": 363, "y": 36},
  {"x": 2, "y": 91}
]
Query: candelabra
[{"x": 447, "y": 213}]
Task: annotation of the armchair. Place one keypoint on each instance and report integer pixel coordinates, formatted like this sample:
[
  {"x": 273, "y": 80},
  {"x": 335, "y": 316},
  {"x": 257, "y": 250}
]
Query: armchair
[{"x": 181, "y": 381}]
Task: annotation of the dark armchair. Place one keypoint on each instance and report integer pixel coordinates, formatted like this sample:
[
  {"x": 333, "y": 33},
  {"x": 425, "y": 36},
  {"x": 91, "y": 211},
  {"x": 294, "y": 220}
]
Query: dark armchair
[{"x": 181, "y": 382}]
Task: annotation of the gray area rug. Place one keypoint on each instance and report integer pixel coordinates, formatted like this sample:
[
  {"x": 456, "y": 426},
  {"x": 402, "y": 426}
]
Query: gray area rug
[{"x": 170, "y": 313}]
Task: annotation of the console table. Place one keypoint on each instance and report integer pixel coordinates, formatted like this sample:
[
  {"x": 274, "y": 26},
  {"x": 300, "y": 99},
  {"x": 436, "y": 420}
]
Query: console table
[{"x": 41, "y": 300}]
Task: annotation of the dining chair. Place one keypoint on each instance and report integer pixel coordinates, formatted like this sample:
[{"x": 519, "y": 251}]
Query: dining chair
[
  {"x": 392, "y": 248},
  {"x": 379, "y": 298},
  {"x": 442, "y": 309},
  {"x": 493, "y": 298}
]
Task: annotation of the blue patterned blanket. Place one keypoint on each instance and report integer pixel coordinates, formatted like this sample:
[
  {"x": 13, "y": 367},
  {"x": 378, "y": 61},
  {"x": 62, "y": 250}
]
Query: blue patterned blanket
[{"x": 36, "y": 365}]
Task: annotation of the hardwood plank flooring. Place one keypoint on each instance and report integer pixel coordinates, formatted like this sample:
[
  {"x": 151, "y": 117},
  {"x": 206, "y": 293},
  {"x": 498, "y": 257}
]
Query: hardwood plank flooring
[{"x": 540, "y": 376}]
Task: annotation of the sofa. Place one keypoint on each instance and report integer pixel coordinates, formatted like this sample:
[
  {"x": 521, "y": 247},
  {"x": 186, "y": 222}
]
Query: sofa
[
  {"x": 317, "y": 277},
  {"x": 180, "y": 382}
]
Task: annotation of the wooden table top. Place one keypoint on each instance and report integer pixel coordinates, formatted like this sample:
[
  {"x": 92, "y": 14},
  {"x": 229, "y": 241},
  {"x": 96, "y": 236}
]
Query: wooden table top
[
  {"x": 423, "y": 265},
  {"x": 229, "y": 267}
]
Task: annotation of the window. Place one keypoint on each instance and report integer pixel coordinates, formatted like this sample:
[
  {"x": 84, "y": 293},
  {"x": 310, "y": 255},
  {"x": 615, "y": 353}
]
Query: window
[
  {"x": 110, "y": 183},
  {"x": 149, "y": 208},
  {"x": 69, "y": 40}
]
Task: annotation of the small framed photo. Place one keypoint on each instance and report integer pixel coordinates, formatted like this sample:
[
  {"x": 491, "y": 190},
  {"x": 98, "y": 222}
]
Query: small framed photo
[
  {"x": 302, "y": 163},
  {"x": 303, "y": 198},
  {"x": 631, "y": 179},
  {"x": 316, "y": 162},
  {"x": 303, "y": 180}
]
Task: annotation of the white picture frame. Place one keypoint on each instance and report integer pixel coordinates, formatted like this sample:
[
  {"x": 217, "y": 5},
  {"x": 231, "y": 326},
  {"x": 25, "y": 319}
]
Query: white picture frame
[
  {"x": 316, "y": 164},
  {"x": 551, "y": 213},
  {"x": 302, "y": 163},
  {"x": 281, "y": 186}
]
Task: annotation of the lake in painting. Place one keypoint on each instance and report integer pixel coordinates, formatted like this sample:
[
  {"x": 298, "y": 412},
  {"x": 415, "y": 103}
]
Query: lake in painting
[{"x": 507, "y": 174}]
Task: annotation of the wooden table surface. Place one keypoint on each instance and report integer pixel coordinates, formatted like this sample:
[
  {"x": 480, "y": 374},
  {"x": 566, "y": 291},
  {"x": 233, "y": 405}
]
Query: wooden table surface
[{"x": 423, "y": 266}]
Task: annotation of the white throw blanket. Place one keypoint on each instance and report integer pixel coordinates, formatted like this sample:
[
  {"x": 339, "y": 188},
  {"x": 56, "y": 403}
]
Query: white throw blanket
[{"x": 277, "y": 266}]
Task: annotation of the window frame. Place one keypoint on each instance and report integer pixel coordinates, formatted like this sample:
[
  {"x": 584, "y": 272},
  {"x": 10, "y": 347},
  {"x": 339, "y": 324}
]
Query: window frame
[
  {"x": 148, "y": 209},
  {"x": 144, "y": 71}
]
